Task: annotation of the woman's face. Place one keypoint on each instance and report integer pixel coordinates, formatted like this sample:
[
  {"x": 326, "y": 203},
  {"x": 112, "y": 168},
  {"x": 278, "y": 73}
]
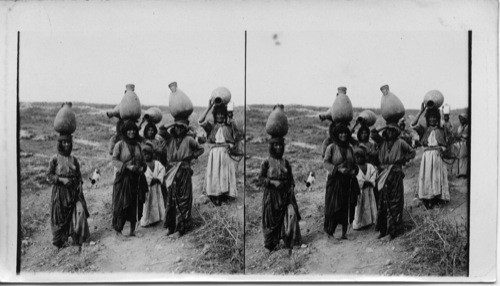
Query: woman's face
[
  {"x": 148, "y": 156},
  {"x": 360, "y": 159},
  {"x": 432, "y": 121},
  {"x": 278, "y": 148},
  {"x": 150, "y": 132},
  {"x": 364, "y": 135},
  {"x": 131, "y": 133},
  {"x": 343, "y": 136},
  {"x": 66, "y": 144},
  {"x": 180, "y": 130},
  {"x": 219, "y": 116}
]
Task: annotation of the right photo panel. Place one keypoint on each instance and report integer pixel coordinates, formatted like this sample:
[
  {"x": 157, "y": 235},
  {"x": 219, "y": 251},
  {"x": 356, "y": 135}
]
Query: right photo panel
[{"x": 357, "y": 151}]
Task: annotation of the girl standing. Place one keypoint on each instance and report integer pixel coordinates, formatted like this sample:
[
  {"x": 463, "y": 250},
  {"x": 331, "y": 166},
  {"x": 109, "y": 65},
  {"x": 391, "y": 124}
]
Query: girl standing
[
  {"x": 129, "y": 187},
  {"x": 393, "y": 153},
  {"x": 280, "y": 213},
  {"x": 365, "y": 213},
  {"x": 433, "y": 176},
  {"x": 461, "y": 145},
  {"x": 68, "y": 216},
  {"x": 220, "y": 178},
  {"x": 154, "y": 207},
  {"x": 342, "y": 189},
  {"x": 181, "y": 149}
]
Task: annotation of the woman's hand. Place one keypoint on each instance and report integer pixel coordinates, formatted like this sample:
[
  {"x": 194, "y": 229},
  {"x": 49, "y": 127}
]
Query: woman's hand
[
  {"x": 65, "y": 181},
  {"x": 422, "y": 107}
]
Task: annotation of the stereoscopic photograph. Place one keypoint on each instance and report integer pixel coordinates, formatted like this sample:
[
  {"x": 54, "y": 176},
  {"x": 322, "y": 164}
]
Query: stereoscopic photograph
[
  {"x": 249, "y": 141},
  {"x": 357, "y": 146},
  {"x": 131, "y": 149}
]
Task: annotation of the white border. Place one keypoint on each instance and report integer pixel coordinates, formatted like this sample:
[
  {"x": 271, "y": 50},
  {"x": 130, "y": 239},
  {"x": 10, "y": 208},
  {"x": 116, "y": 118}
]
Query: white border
[{"x": 479, "y": 16}]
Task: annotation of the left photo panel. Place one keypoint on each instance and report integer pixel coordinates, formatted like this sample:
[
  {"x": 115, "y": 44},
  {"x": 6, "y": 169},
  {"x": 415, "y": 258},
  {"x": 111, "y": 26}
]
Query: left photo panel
[{"x": 131, "y": 152}]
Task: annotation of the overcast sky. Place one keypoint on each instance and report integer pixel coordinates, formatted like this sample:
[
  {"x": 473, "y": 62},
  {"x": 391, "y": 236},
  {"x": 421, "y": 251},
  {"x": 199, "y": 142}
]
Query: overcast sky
[
  {"x": 95, "y": 67},
  {"x": 307, "y": 67}
]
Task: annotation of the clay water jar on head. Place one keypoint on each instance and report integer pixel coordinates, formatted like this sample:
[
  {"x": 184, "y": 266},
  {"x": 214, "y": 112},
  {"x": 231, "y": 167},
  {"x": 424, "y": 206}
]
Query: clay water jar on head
[
  {"x": 433, "y": 99},
  {"x": 65, "y": 121},
  {"x": 277, "y": 122},
  {"x": 130, "y": 106},
  {"x": 153, "y": 114},
  {"x": 341, "y": 110},
  {"x": 391, "y": 107},
  {"x": 221, "y": 95},
  {"x": 367, "y": 117},
  {"x": 180, "y": 105}
]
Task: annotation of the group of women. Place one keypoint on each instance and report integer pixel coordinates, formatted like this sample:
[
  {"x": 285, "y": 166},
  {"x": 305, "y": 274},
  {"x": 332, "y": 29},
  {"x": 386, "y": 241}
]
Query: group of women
[
  {"x": 365, "y": 177},
  {"x": 152, "y": 176}
]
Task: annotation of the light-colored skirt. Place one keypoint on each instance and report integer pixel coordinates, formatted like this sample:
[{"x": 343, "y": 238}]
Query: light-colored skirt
[
  {"x": 433, "y": 177},
  {"x": 365, "y": 213},
  {"x": 154, "y": 208},
  {"x": 220, "y": 177}
]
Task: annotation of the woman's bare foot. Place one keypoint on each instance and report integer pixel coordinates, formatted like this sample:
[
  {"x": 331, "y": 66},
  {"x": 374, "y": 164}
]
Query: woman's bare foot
[{"x": 176, "y": 235}]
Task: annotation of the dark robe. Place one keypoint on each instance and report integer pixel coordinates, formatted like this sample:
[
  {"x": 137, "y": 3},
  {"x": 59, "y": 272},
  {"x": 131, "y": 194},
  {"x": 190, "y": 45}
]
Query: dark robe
[
  {"x": 390, "y": 183},
  {"x": 342, "y": 190},
  {"x": 179, "y": 196},
  {"x": 129, "y": 188},
  {"x": 68, "y": 216},
  {"x": 278, "y": 219}
]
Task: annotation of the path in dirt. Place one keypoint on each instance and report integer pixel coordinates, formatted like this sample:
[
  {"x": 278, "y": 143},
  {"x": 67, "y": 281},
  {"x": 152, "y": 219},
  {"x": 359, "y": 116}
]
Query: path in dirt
[
  {"x": 362, "y": 253},
  {"x": 150, "y": 251}
]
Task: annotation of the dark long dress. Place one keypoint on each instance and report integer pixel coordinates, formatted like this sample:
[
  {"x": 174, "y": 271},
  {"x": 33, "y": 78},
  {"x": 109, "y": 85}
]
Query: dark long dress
[
  {"x": 179, "y": 153},
  {"x": 129, "y": 188},
  {"x": 342, "y": 190},
  {"x": 390, "y": 183},
  {"x": 68, "y": 206},
  {"x": 279, "y": 221}
]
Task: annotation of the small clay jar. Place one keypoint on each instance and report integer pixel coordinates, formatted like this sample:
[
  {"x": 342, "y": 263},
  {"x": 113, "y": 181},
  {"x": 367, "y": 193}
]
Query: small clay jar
[
  {"x": 433, "y": 99},
  {"x": 221, "y": 95}
]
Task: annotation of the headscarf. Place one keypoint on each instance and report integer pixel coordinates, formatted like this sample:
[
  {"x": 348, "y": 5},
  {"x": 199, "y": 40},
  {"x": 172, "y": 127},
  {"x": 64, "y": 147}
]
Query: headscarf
[
  {"x": 363, "y": 128},
  {"x": 464, "y": 116},
  {"x": 130, "y": 125},
  {"x": 148, "y": 126},
  {"x": 341, "y": 128},
  {"x": 147, "y": 148},
  {"x": 60, "y": 148},
  {"x": 219, "y": 108}
]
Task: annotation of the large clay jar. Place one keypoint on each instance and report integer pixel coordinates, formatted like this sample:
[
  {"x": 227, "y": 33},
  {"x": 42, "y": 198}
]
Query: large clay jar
[
  {"x": 65, "y": 121},
  {"x": 392, "y": 108},
  {"x": 153, "y": 114},
  {"x": 277, "y": 122},
  {"x": 180, "y": 105},
  {"x": 221, "y": 95},
  {"x": 341, "y": 110},
  {"x": 130, "y": 106},
  {"x": 433, "y": 99},
  {"x": 367, "y": 117}
]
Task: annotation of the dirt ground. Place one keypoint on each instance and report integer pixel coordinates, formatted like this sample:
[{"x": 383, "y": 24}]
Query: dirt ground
[
  {"x": 362, "y": 253},
  {"x": 150, "y": 251}
]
